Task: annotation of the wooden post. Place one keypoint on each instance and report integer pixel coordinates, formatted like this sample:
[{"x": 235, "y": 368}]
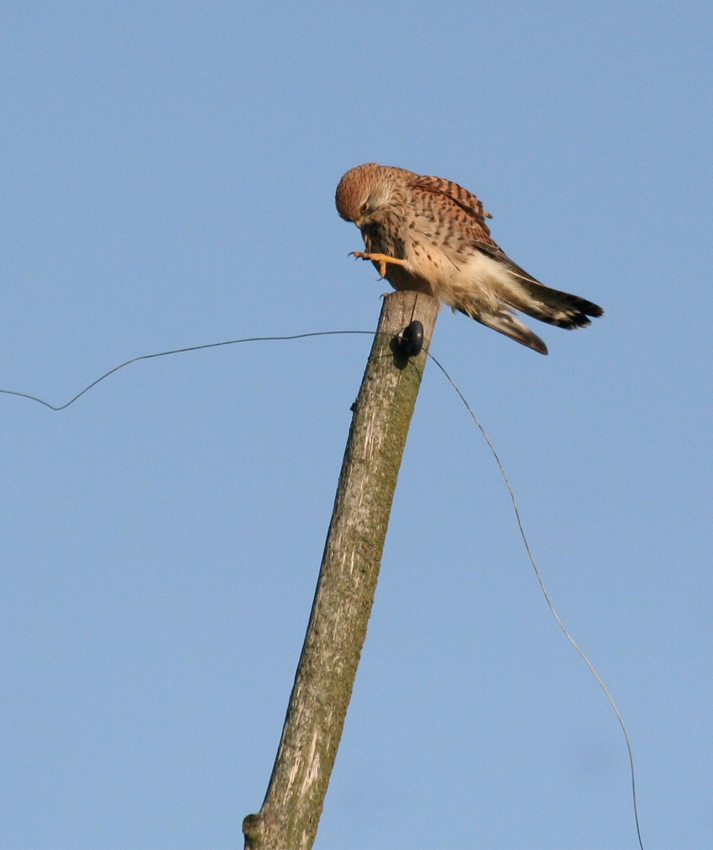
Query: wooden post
[{"x": 342, "y": 604}]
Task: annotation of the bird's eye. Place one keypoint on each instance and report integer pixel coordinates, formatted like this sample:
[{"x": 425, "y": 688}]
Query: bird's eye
[{"x": 364, "y": 208}]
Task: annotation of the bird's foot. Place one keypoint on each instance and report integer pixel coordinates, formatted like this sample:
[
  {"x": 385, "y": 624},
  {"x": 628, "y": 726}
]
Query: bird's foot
[{"x": 381, "y": 259}]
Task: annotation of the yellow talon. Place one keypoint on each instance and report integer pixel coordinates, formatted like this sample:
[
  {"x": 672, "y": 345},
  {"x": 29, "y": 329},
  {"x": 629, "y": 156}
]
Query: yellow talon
[{"x": 381, "y": 259}]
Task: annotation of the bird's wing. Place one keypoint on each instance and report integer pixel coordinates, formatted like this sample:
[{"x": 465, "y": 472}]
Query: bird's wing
[
  {"x": 497, "y": 253},
  {"x": 461, "y": 197},
  {"x": 477, "y": 213}
]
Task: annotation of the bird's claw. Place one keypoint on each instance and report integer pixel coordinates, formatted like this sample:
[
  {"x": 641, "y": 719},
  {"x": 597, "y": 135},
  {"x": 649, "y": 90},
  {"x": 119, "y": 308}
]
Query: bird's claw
[{"x": 381, "y": 259}]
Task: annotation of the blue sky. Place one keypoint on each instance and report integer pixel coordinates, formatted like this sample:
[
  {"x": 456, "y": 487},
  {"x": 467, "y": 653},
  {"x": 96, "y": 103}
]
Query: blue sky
[{"x": 167, "y": 173}]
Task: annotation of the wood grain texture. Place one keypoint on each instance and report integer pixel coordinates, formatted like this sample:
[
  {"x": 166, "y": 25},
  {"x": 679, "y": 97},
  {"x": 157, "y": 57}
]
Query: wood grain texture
[{"x": 343, "y": 600}]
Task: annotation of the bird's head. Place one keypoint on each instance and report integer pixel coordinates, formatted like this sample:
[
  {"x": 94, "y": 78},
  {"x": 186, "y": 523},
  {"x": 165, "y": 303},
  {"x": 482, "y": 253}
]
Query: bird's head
[{"x": 362, "y": 192}]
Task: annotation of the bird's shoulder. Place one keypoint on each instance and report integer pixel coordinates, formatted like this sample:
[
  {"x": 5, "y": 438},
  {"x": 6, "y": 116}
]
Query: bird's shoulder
[{"x": 462, "y": 197}]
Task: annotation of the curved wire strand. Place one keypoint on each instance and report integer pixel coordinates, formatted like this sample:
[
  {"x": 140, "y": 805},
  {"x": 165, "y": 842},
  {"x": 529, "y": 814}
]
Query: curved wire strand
[
  {"x": 490, "y": 446},
  {"x": 177, "y": 351},
  {"x": 541, "y": 582}
]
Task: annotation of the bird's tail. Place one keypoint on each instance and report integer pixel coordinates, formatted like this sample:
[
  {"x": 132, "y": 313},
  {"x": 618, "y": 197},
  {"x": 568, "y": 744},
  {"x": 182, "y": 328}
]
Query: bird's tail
[{"x": 551, "y": 305}]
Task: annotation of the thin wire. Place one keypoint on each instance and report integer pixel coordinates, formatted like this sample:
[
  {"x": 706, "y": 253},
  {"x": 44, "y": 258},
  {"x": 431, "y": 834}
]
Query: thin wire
[
  {"x": 485, "y": 437},
  {"x": 177, "y": 351},
  {"x": 547, "y": 596}
]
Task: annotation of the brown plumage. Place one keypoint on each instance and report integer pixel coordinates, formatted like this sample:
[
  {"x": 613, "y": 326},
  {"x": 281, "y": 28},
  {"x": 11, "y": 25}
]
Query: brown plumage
[{"x": 429, "y": 234}]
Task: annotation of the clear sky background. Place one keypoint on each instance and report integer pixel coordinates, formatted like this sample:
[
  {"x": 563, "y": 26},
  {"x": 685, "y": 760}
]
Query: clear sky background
[{"x": 167, "y": 172}]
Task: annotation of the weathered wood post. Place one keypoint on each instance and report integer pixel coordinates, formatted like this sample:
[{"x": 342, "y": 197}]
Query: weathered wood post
[{"x": 343, "y": 600}]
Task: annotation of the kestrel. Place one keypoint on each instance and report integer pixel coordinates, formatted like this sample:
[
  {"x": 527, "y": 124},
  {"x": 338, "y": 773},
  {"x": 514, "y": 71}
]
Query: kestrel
[{"x": 429, "y": 234}]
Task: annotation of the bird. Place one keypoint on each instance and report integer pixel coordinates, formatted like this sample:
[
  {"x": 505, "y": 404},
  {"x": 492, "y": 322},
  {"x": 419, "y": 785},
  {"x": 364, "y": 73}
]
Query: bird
[{"x": 430, "y": 235}]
